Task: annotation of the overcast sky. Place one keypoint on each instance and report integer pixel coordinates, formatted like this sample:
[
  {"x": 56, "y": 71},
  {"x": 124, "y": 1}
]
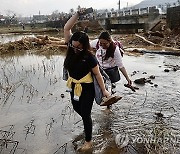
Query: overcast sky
[{"x": 32, "y": 7}]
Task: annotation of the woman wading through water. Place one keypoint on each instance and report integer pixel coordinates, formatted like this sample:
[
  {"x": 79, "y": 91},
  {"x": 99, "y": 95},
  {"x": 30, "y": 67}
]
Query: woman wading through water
[
  {"x": 80, "y": 63},
  {"x": 109, "y": 55}
]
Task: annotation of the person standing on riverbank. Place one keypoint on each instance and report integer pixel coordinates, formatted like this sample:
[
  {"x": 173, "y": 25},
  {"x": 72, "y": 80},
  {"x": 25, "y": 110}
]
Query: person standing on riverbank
[
  {"x": 109, "y": 55},
  {"x": 80, "y": 63}
]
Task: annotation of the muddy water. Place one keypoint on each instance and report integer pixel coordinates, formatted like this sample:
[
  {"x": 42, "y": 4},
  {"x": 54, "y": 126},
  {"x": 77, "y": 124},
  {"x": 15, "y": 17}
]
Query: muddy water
[
  {"x": 5, "y": 38},
  {"x": 37, "y": 116}
]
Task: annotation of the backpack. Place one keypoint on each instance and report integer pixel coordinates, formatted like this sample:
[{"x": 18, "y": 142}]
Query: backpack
[{"x": 117, "y": 43}]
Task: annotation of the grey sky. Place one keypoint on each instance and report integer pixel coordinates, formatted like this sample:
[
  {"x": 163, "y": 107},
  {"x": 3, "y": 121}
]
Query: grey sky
[{"x": 31, "y": 7}]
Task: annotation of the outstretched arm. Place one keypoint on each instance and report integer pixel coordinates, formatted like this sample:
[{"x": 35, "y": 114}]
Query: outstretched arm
[
  {"x": 119, "y": 63},
  {"x": 68, "y": 26},
  {"x": 70, "y": 23},
  {"x": 123, "y": 70}
]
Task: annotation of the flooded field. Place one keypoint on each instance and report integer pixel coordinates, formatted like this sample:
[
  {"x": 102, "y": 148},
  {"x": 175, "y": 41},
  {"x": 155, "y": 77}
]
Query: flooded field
[
  {"x": 37, "y": 116},
  {"x": 5, "y": 38}
]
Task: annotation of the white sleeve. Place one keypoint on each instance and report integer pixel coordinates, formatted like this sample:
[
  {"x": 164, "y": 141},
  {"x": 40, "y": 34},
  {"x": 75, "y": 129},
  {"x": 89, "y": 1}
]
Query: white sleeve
[
  {"x": 93, "y": 43},
  {"x": 118, "y": 58}
]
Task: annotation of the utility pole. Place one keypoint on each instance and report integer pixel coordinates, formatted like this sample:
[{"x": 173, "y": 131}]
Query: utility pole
[{"x": 119, "y": 4}]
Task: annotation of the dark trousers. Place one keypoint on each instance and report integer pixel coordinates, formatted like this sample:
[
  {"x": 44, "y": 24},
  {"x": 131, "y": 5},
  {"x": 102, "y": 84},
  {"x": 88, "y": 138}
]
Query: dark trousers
[{"x": 84, "y": 106}]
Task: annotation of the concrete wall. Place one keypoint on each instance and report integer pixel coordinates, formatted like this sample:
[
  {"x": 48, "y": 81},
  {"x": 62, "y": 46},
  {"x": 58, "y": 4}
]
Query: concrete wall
[
  {"x": 173, "y": 17},
  {"x": 132, "y": 23}
]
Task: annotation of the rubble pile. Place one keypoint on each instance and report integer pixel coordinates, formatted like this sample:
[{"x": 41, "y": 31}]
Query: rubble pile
[
  {"x": 165, "y": 38},
  {"x": 38, "y": 45},
  {"x": 11, "y": 47},
  {"x": 158, "y": 38}
]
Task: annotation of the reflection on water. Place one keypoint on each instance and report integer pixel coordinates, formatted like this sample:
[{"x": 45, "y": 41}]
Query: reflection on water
[
  {"x": 36, "y": 118},
  {"x": 5, "y": 38}
]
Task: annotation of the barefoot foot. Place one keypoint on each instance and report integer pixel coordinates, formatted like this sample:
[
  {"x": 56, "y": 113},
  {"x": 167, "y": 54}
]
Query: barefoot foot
[{"x": 86, "y": 146}]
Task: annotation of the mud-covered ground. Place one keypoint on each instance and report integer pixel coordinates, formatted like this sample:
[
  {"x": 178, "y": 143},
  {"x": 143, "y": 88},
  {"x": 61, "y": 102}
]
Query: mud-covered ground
[{"x": 160, "y": 38}]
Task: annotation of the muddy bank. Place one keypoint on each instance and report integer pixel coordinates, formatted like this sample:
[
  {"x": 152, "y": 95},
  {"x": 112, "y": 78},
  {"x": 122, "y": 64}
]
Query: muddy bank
[
  {"x": 37, "y": 44},
  {"x": 19, "y": 30},
  {"x": 46, "y": 45},
  {"x": 160, "y": 40}
]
